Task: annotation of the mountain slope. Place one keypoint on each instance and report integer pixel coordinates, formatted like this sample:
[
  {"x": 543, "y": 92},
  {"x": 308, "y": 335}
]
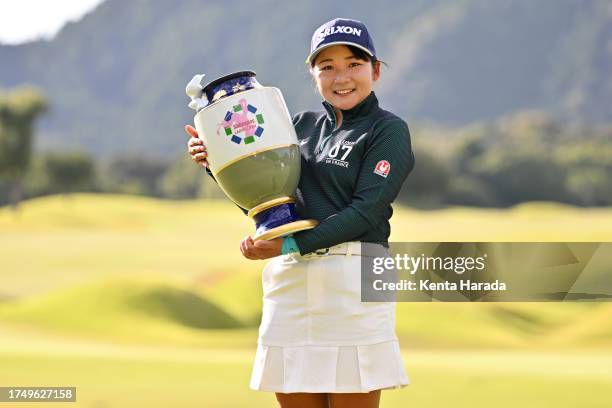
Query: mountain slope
[{"x": 116, "y": 78}]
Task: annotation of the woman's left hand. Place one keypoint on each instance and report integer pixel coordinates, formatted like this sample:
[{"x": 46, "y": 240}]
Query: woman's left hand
[{"x": 261, "y": 249}]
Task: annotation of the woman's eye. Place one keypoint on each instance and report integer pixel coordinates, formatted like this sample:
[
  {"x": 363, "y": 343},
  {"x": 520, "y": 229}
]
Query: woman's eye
[
  {"x": 354, "y": 64},
  {"x": 326, "y": 68}
]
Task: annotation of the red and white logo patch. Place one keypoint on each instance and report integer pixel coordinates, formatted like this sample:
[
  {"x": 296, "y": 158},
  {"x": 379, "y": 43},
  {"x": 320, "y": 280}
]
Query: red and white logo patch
[{"x": 382, "y": 168}]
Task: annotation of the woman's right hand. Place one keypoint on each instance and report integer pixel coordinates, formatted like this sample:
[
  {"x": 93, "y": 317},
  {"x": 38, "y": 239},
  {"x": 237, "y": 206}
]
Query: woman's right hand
[{"x": 196, "y": 147}]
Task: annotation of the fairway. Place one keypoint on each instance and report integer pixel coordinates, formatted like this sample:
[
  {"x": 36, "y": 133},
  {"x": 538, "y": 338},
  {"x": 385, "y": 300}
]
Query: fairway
[
  {"x": 147, "y": 303},
  {"x": 147, "y": 377},
  {"x": 57, "y": 241}
]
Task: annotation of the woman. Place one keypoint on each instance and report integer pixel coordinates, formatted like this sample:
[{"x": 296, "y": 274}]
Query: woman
[{"x": 319, "y": 345}]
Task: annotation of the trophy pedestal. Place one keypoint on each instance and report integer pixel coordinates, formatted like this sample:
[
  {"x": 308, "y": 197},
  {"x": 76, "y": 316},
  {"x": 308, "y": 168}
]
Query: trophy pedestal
[
  {"x": 277, "y": 218},
  {"x": 283, "y": 230}
]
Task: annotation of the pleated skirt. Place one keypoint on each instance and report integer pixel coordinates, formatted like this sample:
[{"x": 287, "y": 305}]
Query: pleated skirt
[{"x": 317, "y": 336}]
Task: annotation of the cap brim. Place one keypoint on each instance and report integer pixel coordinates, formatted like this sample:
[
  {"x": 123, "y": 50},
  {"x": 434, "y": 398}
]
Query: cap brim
[{"x": 318, "y": 50}]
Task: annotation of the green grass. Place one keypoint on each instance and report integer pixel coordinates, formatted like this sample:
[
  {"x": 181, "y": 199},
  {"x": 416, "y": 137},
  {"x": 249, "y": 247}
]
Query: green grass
[
  {"x": 126, "y": 310},
  {"x": 160, "y": 312},
  {"x": 134, "y": 311},
  {"x": 544, "y": 222},
  {"x": 493, "y": 325},
  {"x": 142, "y": 302},
  {"x": 195, "y": 378},
  {"x": 55, "y": 242},
  {"x": 141, "y": 266}
]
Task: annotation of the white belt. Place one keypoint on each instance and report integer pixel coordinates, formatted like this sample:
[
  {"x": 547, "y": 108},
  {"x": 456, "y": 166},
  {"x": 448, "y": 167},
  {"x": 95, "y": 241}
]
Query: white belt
[{"x": 351, "y": 248}]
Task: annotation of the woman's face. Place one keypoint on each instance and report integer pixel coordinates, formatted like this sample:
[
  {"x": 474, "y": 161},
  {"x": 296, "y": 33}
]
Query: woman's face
[{"x": 342, "y": 79}]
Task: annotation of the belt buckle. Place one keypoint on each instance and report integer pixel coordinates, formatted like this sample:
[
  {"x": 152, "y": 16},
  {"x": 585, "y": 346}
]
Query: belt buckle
[{"x": 322, "y": 251}]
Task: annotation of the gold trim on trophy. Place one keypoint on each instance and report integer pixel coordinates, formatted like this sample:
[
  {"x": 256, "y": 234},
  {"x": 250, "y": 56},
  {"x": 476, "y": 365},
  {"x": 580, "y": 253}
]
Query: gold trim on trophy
[
  {"x": 286, "y": 229},
  {"x": 229, "y": 163},
  {"x": 269, "y": 204}
]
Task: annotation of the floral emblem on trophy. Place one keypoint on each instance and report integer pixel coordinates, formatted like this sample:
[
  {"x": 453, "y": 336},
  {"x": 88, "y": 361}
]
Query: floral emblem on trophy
[{"x": 242, "y": 119}]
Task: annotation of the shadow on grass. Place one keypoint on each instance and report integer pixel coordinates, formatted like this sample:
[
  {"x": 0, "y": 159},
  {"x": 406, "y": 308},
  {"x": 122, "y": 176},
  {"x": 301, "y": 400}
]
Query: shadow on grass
[{"x": 183, "y": 307}]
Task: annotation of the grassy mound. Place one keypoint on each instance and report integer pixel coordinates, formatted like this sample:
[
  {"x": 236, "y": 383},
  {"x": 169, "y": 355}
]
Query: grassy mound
[
  {"x": 159, "y": 311},
  {"x": 592, "y": 329},
  {"x": 122, "y": 309},
  {"x": 88, "y": 243},
  {"x": 495, "y": 325},
  {"x": 238, "y": 293}
]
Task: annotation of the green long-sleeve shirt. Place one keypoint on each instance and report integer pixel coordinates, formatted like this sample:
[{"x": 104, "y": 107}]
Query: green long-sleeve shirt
[{"x": 350, "y": 175}]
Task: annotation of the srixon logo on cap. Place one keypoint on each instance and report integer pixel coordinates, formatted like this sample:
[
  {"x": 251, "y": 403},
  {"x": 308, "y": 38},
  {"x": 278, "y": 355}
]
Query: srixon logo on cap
[
  {"x": 337, "y": 30},
  {"x": 382, "y": 168}
]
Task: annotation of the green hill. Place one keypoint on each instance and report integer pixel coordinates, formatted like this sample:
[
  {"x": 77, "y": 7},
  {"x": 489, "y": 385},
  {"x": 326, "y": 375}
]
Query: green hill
[
  {"x": 122, "y": 309},
  {"x": 141, "y": 270},
  {"x": 162, "y": 312},
  {"x": 116, "y": 78}
]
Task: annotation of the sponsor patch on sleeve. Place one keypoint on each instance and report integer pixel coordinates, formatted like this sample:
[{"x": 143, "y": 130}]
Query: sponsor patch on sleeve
[{"x": 382, "y": 168}]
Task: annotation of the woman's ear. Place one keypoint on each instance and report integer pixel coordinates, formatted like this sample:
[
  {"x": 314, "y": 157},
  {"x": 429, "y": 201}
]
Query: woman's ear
[{"x": 376, "y": 71}]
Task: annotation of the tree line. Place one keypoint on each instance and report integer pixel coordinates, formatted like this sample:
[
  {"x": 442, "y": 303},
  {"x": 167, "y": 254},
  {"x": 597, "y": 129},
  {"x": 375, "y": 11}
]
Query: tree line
[{"x": 527, "y": 156}]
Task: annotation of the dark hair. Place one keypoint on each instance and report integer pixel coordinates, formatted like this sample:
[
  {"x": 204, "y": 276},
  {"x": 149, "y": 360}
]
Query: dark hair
[{"x": 357, "y": 53}]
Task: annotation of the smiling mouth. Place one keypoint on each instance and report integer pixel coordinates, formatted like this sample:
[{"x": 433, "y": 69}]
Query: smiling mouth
[{"x": 344, "y": 92}]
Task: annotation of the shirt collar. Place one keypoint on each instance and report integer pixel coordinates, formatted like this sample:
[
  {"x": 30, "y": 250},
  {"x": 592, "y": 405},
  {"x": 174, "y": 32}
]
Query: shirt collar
[{"x": 363, "y": 108}]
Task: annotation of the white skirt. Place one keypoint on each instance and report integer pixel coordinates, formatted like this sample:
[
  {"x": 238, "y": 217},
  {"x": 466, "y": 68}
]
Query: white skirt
[{"x": 317, "y": 336}]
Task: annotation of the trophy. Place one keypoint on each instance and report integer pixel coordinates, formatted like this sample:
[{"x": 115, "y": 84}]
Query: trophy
[{"x": 252, "y": 149}]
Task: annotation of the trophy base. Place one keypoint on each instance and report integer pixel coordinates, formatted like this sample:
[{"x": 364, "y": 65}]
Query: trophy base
[
  {"x": 277, "y": 218},
  {"x": 286, "y": 229}
]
